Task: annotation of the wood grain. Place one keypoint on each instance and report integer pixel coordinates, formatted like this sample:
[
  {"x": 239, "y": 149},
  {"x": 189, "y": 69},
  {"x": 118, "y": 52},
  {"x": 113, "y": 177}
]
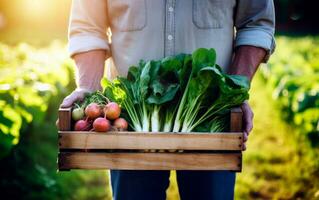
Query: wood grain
[
  {"x": 150, "y": 161},
  {"x": 72, "y": 144},
  {"x": 236, "y": 125},
  {"x": 236, "y": 116},
  {"x": 135, "y": 140},
  {"x": 64, "y": 115}
]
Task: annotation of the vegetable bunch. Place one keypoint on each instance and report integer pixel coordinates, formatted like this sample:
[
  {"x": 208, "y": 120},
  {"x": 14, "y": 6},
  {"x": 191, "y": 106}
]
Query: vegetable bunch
[
  {"x": 183, "y": 93},
  {"x": 96, "y": 113}
]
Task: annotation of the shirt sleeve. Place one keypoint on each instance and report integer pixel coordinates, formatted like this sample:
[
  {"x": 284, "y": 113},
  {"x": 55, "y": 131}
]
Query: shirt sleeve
[
  {"x": 87, "y": 27},
  {"x": 255, "y": 24}
]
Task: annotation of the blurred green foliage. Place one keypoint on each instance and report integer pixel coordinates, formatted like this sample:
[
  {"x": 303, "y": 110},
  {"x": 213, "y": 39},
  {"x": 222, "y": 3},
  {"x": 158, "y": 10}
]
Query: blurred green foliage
[
  {"x": 279, "y": 162},
  {"x": 33, "y": 82},
  {"x": 293, "y": 75}
]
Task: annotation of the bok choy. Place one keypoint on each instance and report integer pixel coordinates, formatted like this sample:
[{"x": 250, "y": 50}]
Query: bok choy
[{"x": 180, "y": 93}]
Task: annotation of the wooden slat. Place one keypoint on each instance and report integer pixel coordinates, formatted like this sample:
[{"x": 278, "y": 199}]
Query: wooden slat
[
  {"x": 236, "y": 125},
  {"x": 134, "y": 140},
  {"x": 150, "y": 161},
  {"x": 64, "y": 115},
  {"x": 236, "y": 116}
]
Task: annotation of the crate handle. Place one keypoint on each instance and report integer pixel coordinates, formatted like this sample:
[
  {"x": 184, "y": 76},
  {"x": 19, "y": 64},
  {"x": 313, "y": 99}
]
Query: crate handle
[
  {"x": 236, "y": 120},
  {"x": 64, "y": 116}
]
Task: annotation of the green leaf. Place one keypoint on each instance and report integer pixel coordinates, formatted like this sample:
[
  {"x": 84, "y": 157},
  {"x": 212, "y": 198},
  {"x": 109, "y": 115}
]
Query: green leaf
[
  {"x": 171, "y": 64},
  {"x": 238, "y": 81},
  {"x": 133, "y": 73},
  {"x": 5, "y": 121},
  {"x": 203, "y": 58},
  {"x": 169, "y": 95},
  {"x": 185, "y": 72},
  {"x": 144, "y": 80}
]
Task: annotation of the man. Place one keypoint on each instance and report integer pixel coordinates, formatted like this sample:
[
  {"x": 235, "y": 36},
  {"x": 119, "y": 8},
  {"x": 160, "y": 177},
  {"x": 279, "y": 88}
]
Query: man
[{"x": 242, "y": 32}]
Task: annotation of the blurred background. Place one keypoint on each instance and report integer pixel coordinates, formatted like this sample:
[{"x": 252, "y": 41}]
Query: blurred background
[{"x": 282, "y": 160}]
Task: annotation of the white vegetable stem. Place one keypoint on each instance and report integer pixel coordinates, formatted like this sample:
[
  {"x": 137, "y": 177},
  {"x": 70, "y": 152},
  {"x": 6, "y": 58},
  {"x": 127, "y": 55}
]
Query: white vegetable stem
[
  {"x": 146, "y": 123},
  {"x": 155, "y": 119}
]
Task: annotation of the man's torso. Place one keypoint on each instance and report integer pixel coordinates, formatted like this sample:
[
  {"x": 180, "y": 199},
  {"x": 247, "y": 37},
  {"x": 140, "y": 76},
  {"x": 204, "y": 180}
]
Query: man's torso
[{"x": 149, "y": 29}]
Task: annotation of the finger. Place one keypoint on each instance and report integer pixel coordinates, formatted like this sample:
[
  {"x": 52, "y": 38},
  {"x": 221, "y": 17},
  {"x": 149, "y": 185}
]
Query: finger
[
  {"x": 73, "y": 97},
  {"x": 67, "y": 102},
  {"x": 244, "y": 147},
  {"x": 249, "y": 125},
  {"x": 248, "y": 116},
  {"x": 245, "y": 138}
]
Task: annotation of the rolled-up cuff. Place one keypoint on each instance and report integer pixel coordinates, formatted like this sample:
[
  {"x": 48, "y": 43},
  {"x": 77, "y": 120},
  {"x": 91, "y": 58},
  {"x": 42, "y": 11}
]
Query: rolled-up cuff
[
  {"x": 84, "y": 43},
  {"x": 258, "y": 38}
]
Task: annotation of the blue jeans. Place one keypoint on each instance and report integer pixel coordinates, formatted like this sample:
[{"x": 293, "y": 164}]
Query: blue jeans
[{"x": 152, "y": 185}]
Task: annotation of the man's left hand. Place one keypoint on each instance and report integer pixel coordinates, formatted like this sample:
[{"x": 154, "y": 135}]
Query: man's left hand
[{"x": 248, "y": 116}]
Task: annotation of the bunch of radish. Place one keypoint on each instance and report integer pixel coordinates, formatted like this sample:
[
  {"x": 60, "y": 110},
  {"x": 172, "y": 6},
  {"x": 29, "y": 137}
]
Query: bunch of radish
[{"x": 99, "y": 117}]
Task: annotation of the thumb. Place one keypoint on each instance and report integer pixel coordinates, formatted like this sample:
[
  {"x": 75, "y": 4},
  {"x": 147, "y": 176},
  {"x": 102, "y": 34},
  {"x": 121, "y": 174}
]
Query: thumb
[{"x": 73, "y": 97}]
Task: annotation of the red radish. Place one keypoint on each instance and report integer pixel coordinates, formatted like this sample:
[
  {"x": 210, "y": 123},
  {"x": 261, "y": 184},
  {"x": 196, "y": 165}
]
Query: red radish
[
  {"x": 112, "y": 111},
  {"x": 101, "y": 125},
  {"x": 93, "y": 111},
  {"x": 82, "y": 125},
  {"x": 121, "y": 124}
]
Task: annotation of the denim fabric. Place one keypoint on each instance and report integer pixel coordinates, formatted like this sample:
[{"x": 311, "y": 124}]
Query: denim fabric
[{"x": 152, "y": 185}]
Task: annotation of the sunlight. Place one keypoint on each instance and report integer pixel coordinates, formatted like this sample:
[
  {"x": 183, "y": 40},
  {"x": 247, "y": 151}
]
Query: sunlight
[{"x": 35, "y": 8}]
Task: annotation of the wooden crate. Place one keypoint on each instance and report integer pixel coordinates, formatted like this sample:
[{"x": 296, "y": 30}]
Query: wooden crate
[{"x": 126, "y": 150}]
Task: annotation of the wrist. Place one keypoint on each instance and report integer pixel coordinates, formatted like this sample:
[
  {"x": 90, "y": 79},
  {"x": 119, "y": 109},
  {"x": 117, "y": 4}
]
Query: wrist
[
  {"x": 88, "y": 89},
  {"x": 90, "y": 80},
  {"x": 90, "y": 69},
  {"x": 83, "y": 90},
  {"x": 241, "y": 70}
]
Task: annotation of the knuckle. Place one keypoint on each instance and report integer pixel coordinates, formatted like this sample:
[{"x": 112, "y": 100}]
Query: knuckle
[
  {"x": 249, "y": 128},
  {"x": 246, "y": 136},
  {"x": 75, "y": 95}
]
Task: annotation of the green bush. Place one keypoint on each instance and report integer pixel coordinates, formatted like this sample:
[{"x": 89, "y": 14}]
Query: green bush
[
  {"x": 33, "y": 83},
  {"x": 293, "y": 75}
]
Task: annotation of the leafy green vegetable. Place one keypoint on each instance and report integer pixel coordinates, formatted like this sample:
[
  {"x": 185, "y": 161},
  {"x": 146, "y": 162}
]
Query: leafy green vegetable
[{"x": 178, "y": 93}]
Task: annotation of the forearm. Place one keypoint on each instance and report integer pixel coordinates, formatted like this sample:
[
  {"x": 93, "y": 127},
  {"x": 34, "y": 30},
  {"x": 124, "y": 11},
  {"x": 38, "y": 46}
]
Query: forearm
[
  {"x": 247, "y": 60},
  {"x": 90, "y": 69}
]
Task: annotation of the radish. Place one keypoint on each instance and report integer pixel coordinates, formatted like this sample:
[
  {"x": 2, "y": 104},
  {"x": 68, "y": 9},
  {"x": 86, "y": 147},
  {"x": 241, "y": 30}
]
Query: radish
[
  {"x": 93, "y": 111},
  {"x": 101, "y": 125},
  {"x": 112, "y": 111},
  {"x": 120, "y": 124},
  {"x": 82, "y": 125},
  {"x": 77, "y": 114}
]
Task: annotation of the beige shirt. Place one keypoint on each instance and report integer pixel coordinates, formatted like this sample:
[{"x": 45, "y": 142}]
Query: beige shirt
[{"x": 153, "y": 29}]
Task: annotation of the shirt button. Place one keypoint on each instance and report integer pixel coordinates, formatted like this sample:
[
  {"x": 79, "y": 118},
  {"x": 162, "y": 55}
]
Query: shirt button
[
  {"x": 169, "y": 37},
  {"x": 171, "y": 9}
]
